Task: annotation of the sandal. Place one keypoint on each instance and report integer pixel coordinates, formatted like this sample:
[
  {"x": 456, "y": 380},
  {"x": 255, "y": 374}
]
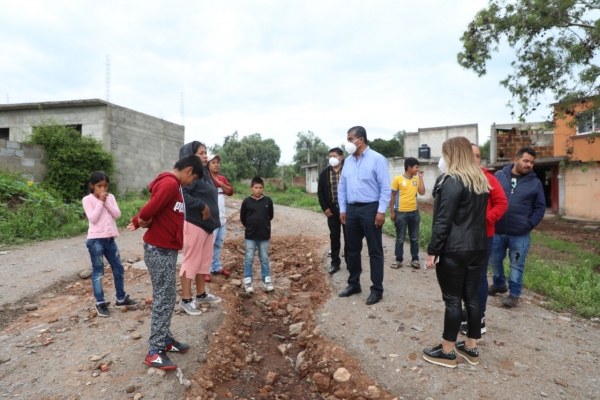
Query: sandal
[
  {"x": 396, "y": 265},
  {"x": 207, "y": 278}
]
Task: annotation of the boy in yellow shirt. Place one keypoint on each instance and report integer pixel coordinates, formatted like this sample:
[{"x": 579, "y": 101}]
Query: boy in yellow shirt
[{"x": 403, "y": 210}]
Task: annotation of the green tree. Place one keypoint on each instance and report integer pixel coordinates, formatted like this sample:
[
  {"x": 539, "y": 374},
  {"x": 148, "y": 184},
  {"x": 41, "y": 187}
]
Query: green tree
[
  {"x": 387, "y": 148},
  {"x": 485, "y": 150},
  {"x": 555, "y": 43},
  {"x": 71, "y": 159},
  {"x": 247, "y": 157},
  {"x": 309, "y": 144}
]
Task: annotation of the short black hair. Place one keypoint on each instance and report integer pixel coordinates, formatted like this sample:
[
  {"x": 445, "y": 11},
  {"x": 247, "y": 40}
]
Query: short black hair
[
  {"x": 525, "y": 149},
  {"x": 336, "y": 150},
  {"x": 359, "y": 132},
  {"x": 410, "y": 162},
  {"x": 97, "y": 176},
  {"x": 257, "y": 180},
  {"x": 190, "y": 161}
]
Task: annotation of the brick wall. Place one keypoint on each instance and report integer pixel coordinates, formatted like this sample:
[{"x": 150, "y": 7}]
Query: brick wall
[
  {"x": 24, "y": 158},
  {"x": 509, "y": 144}
]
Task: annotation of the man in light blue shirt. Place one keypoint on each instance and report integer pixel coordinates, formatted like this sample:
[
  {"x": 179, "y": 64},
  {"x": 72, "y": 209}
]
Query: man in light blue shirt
[{"x": 364, "y": 194}]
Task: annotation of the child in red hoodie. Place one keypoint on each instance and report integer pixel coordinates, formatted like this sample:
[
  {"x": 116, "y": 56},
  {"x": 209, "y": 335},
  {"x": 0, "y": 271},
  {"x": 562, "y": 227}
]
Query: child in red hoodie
[{"x": 163, "y": 215}]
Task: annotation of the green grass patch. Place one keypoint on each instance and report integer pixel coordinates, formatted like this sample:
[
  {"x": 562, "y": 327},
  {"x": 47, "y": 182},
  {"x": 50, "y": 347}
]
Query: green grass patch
[
  {"x": 389, "y": 228},
  {"x": 291, "y": 197},
  {"x": 28, "y": 212}
]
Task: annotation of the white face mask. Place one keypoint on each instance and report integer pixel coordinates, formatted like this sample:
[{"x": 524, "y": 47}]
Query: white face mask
[
  {"x": 442, "y": 165},
  {"x": 334, "y": 162},
  {"x": 351, "y": 147}
]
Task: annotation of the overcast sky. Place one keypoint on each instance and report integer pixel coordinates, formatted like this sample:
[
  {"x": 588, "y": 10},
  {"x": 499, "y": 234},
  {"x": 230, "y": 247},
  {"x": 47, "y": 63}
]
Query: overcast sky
[{"x": 272, "y": 67}]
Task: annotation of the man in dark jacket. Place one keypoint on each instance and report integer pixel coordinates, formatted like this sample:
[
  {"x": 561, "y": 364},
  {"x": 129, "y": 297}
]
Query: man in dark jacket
[
  {"x": 328, "y": 198},
  {"x": 526, "y": 207}
]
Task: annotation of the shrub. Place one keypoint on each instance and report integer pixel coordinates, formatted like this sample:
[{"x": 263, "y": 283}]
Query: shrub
[{"x": 71, "y": 159}]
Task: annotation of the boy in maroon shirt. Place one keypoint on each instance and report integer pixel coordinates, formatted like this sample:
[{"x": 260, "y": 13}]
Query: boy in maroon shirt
[{"x": 163, "y": 215}]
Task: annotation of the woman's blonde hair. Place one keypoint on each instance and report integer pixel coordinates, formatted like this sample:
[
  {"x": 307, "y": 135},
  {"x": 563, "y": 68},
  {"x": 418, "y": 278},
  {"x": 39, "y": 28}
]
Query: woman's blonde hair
[{"x": 461, "y": 163}]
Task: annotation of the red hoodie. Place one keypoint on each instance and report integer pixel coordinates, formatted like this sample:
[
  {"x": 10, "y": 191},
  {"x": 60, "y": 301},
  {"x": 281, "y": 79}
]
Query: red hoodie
[
  {"x": 166, "y": 209},
  {"x": 497, "y": 203}
]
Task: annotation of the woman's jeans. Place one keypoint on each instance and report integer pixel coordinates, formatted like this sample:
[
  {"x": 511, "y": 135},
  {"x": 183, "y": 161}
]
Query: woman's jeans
[
  {"x": 458, "y": 275},
  {"x": 106, "y": 247},
  {"x": 218, "y": 246},
  {"x": 263, "y": 256}
]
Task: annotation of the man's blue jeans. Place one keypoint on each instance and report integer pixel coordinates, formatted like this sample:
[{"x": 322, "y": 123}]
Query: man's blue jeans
[
  {"x": 411, "y": 220},
  {"x": 518, "y": 247},
  {"x": 263, "y": 256},
  {"x": 218, "y": 246},
  {"x": 106, "y": 247}
]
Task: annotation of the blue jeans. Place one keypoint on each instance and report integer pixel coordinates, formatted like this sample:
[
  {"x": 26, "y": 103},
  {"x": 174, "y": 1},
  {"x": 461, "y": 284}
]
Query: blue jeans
[
  {"x": 518, "y": 247},
  {"x": 218, "y": 246},
  {"x": 482, "y": 291},
  {"x": 263, "y": 256},
  {"x": 360, "y": 223},
  {"x": 411, "y": 220},
  {"x": 106, "y": 247}
]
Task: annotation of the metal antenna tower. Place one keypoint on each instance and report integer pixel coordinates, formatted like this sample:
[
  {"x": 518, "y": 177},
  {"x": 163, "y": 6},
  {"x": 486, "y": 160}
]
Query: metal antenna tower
[
  {"x": 182, "y": 109},
  {"x": 107, "y": 77}
]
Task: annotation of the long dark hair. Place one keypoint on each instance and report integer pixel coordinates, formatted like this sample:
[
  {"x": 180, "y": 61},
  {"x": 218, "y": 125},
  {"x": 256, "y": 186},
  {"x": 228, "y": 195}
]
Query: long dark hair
[{"x": 97, "y": 176}]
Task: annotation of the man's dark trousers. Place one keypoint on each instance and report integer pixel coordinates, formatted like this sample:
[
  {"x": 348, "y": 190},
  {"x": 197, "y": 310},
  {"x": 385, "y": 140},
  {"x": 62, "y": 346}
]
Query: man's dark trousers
[
  {"x": 335, "y": 231},
  {"x": 360, "y": 223}
]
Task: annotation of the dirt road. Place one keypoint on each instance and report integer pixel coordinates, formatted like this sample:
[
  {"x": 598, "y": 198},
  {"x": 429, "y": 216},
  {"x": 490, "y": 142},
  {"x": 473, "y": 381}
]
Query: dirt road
[{"x": 56, "y": 351}]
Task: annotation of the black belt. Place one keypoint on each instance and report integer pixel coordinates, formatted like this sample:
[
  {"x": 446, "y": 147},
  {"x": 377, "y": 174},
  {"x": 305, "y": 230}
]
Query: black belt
[{"x": 363, "y": 204}]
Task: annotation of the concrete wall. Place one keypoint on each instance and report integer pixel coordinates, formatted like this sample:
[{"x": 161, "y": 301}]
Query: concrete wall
[
  {"x": 435, "y": 137},
  {"x": 582, "y": 193},
  {"x": 24, "y": 158},
  {"x": 396, "y": 167},
  {"x": 20, "y": 121},
  {"x": 143, "y": 146}
]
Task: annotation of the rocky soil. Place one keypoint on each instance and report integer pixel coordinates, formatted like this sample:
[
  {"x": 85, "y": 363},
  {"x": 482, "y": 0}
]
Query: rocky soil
[{"x": 299, "y": 342}]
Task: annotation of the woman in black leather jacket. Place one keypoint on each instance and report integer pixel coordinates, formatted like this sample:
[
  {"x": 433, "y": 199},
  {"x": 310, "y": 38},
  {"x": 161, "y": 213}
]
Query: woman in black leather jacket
[{"x": 458, "y": 249}]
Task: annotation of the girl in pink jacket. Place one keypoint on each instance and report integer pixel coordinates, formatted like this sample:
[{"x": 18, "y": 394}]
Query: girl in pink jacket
[{"x": 102, "y": 210}]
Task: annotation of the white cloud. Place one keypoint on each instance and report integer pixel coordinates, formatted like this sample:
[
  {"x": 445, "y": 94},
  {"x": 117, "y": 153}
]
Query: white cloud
[{"x": 262, "y": 66}]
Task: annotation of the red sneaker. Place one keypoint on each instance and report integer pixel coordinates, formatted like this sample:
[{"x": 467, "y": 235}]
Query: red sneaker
[
  {"x": 222, "y": 271},
  {"x": 207, "y": 278},
  {"x": 160, "y": 361}
]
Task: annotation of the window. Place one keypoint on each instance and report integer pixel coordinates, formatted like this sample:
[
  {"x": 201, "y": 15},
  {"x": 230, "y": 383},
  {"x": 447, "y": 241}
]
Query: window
[
  {"x": 4, "y": 133},
  {"x": 588, "y": 121}
]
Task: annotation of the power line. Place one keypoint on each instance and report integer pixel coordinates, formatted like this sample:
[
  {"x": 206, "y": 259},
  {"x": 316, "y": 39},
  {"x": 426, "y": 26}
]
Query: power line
[{"x": 107, "y": 77}]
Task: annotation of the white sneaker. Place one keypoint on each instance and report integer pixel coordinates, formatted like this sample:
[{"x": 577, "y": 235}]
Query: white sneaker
[
  {"x": 209, "y": 298},
  {"x": 190, "y": 308},
  {"x": 248, "y": 285},
  {"x": 268, "y": 284}
]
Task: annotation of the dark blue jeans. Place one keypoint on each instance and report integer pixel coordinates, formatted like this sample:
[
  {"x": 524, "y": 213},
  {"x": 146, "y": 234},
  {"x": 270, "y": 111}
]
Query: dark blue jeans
[
  {"x": 106, "y": 247},
  {"x": 411, "y": 220},
  {"x": 482, "y": 290},
  {"x": 360, "y": 223}
]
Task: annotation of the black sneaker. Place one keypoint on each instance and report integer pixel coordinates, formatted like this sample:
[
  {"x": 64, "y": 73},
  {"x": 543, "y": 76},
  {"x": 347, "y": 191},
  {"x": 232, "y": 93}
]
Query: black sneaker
[
  {"x": 126, "y": 302},
  {"x": 464, "y": 327},
  {"x": 175, "y": 347},
  {"x": 102, "y": 309},
  {"x": 160, "y": 361},
  {"x": 437, "y": 356},
  {"x": 493, "y": 290},
  {"x": 471, "y": 355}
]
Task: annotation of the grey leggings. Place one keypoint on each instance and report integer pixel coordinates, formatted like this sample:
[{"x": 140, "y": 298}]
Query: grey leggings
[{"x": 161, "y": 265}]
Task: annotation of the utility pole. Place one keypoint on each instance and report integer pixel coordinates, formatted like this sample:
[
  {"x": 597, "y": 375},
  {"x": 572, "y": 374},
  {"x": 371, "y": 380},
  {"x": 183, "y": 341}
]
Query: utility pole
[{"x": 107, "y": 78}]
